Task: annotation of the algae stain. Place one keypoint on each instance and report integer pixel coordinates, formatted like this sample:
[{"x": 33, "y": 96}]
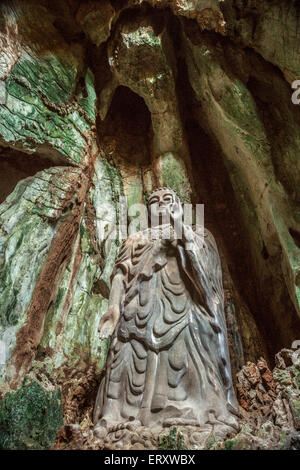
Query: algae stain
[{"x": 30, "y": 417}]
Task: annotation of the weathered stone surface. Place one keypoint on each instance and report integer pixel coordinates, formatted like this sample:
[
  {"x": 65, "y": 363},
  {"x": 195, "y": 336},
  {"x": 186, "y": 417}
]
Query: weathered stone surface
[
  {"x": 270, "y": 404},
  {"x": 37, "y": 225},
  {"x": 96, "y": 20},
  {"x": 10, "y": 49},
  {"x": 272, "y": 30},
  {"x": 230, "y": 115},
  {"x": 207, "y": 13},
  {"x": 43, "y": 110},
  {"x": 30, "y": 417},
  {"x": 98, "y": 102},
  {"x": 269, "y": 415},
  {"x": 158, "y": 323}
]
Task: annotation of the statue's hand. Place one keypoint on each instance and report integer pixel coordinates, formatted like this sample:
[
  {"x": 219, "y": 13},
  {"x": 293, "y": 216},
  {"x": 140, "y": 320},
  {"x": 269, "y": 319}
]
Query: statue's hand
[
  {"x": 176, "y": 217},
  {"x": 188, "y": 234},
  {"x": 109, "y": 322},
  {"x": 184, "y": 233}
]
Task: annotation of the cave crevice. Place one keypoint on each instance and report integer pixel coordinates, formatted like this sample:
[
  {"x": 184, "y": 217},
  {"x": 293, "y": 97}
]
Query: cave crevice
[{"x": 16, "y": 165}]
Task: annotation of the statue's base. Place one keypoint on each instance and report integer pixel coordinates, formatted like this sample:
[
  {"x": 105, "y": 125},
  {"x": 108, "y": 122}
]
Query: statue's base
[{"x": 173, "y": 434}]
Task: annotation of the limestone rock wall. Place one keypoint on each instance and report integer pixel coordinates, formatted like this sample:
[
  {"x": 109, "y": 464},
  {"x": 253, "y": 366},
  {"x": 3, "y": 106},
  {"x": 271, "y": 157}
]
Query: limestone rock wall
[{"x": 107, "y": 99}]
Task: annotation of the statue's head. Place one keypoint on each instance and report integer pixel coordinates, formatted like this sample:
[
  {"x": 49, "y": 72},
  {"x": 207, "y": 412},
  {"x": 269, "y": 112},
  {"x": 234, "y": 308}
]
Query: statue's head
[{"x": 161, "y": 202}]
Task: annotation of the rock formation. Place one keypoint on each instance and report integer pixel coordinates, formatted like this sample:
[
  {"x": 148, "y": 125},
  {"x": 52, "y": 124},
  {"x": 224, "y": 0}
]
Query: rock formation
[{"x": 107, "y": 99}]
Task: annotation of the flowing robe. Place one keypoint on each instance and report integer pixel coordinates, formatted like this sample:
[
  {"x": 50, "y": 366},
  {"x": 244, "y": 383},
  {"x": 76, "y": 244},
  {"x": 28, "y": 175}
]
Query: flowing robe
[{"x": 169, "y": 356}]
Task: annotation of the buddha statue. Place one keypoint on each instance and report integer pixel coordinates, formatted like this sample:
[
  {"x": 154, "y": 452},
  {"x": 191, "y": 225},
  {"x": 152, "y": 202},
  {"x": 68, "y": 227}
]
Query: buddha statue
[{"x": 168, "y": 363}]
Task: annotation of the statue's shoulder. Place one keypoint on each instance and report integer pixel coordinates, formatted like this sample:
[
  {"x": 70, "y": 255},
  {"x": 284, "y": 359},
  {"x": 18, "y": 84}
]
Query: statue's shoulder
[
  {"x": 129, "y": 244},
  {"x": 202, "y": 230},
  {"x": 204, "y": 235}
]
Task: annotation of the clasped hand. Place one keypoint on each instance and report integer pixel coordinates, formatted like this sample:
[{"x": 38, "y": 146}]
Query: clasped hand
[{"x": 182, "y": 232}]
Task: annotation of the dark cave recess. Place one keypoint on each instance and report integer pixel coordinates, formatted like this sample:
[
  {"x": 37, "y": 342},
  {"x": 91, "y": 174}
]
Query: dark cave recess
[{"x": 16, "y": 166}]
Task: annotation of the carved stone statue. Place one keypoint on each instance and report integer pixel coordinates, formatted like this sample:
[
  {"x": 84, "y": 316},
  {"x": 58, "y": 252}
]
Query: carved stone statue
[{"x": 168, "y": 362}]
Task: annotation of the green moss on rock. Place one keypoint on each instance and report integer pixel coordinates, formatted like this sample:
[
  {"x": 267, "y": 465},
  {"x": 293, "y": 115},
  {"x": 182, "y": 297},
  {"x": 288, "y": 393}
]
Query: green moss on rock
[
  {"x": 30, "y": 417},
  {"x": 229, "y": 444},
  {"x": 172, "y": 441},
  {"x": 41, "y": 109},
  {"x": 173, "y": 175}
]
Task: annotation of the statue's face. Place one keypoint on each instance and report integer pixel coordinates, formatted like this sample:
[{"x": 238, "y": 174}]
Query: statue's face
[{"x": 161, "y": 204}]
